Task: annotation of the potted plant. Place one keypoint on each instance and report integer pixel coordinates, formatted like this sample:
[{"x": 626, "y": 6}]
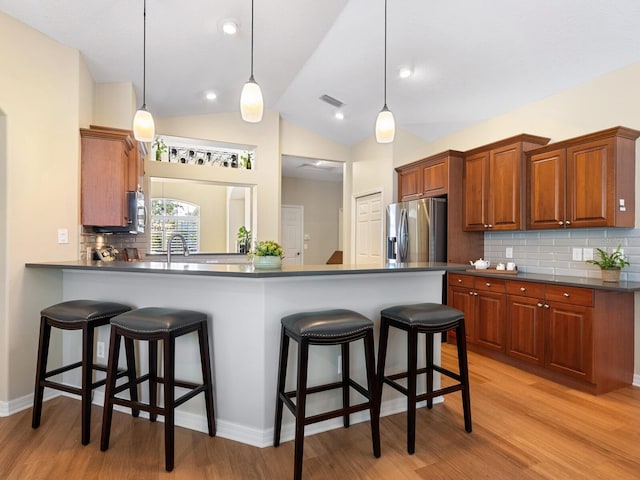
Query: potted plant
[
  {"x": 267, "y": 254},
  {"x": 160, "y": 147},
  {"x": 610, "y": 264},
  {"x": 244, "y": 239}
]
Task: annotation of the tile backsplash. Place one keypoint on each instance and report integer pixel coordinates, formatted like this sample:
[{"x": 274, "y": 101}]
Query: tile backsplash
[
  {"x": 89, "y": 241},
  {"x": 551, "y": 251}
]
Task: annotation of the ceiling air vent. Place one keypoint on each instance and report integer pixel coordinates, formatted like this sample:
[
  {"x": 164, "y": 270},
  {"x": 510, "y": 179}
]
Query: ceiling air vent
[{"x": 331, "y": 101}]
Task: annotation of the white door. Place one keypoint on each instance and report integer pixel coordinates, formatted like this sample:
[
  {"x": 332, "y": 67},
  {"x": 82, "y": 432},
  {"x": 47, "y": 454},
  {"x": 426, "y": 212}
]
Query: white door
[
  {"x": 291, "y": 234},
  {"x": 369, "y": 229}
]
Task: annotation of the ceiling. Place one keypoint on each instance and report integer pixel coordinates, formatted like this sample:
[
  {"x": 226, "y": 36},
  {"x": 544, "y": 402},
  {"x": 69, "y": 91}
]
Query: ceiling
[{"x": 471, "y": 60}]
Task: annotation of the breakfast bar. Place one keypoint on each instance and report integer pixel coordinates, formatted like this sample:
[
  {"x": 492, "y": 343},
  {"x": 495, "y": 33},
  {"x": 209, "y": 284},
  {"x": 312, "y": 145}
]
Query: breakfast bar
[{"x": 244, "y": 307}]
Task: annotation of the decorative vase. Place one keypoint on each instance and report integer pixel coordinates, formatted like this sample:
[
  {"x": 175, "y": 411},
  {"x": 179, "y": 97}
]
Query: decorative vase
[
  {"x": 267, "y": 262},
  {"x": 611, "y": 274}
]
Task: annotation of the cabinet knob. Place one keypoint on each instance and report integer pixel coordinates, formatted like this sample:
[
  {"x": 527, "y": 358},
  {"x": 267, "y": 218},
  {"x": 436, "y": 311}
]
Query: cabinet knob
[
  {"x": 486, "y": 226},
  {"x": 470, "y": 293},
  {"x": 522, "y": 289},
  {"x": 475, "y": 293},
  {"x": 560, "y": 223},
  {"x": 565, "y": 294},
  {"x": 488, "y": 284},
  {"x": 539, "y": 304},
  {"x": 546, "y": 305},
  {"x": 459, "y": 280},
  {"x": 490, "y": 226},
  {"x": 567, "y": 222}
]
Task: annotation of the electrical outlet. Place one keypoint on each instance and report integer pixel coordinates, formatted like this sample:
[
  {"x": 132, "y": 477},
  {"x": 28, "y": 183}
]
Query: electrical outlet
[
  {"x": 339, "y": 364},
  {"x": 577, "y": 254},
  {"x": 508, "y": 252},
  {"x": 587, "y": 254},
  {"x": 100, "y": 350}
]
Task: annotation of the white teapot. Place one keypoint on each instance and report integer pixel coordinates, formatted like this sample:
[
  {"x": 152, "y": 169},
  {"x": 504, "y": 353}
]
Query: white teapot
[{"x": 480, "y": 264}]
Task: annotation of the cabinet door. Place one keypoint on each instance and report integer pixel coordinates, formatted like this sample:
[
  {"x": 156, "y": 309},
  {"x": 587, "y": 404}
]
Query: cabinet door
[
  {"x": 505, "y": 203},
  {"x": 569, "y": 340},
  {"x": 490, "y": 315},
  {"x": 525, "y": 329},
  {"x": 546, "y": 190},
  {"x": 435, "y": 179},
  {"x": 410, "y": 184},
  {"x": 590, "y": 184},
  {"x": 475, "y": 185},
  {"x": 463, "y": 299}
]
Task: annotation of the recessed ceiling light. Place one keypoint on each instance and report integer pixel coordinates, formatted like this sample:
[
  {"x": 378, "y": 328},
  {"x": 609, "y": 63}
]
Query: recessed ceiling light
[
  {"x": 211, "y": 95},
  {"x": 230, "y": 27},
  {"x": 339, "y": 115},
  {"x": 405, "y": 72}
]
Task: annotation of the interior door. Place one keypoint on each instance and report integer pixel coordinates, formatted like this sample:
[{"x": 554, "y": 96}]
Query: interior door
[
  {"x": 369, "y": 229},
  {"x": 292, "y": 235}
]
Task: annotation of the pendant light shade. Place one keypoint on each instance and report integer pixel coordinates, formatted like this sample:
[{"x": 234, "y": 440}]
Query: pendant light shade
[
  {"x": 251, "y": 103},
  {"x": 385, "y": 123},
  {"x": 144, "y": 128}
]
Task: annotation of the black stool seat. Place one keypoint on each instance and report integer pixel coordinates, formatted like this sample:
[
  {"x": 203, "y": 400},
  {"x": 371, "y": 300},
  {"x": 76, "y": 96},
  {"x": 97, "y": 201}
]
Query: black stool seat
[
  {"x": 158, "y": 320},
  {"x": 330, "y": 323},
  {"x": 85, "y": 315},
  {"x": 328, "y": 327},
  {"x": 425, "y": 314},
  {"x": 154, "y": 325},
  {"x": 429, "y": 319}
]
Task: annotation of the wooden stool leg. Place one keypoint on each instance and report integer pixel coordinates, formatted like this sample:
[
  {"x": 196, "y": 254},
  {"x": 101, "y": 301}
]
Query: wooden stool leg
[
  {"x": 131, "y": 373},
  {"x": 382, "y": 356},
  {"x": 112, "y": 374},
  {"x": 372, "y": 382},
  {"x": 169, "y": 405},
  {"x": 464, "y": 374},
  {"x": 412, "y": 361},
  {"x": 429, "y": 354},
  {"x": 41, "y": 371},
  {"x": 282, "y": 375},
  {"x": 301, "y": 400},
  {"x": 87, "y": 380},
  {"x": 205, "y": 360},
  {"x": 345, "y": 381},
  {"x": 153, "y": 378}
]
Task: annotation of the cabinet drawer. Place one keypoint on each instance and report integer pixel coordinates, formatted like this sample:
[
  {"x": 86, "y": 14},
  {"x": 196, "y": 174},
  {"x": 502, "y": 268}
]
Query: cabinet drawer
[
  {"x": 525, "y": 289},
  {"x": 572, "y": 295},
  {"x": 457, "y": 280},
  {"x": 490, "y": 284}
]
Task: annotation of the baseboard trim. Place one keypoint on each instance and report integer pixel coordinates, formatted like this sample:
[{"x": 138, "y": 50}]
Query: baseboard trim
[
  {"x": 636, "y": 380},
  {"x": 17, "y": 405}
]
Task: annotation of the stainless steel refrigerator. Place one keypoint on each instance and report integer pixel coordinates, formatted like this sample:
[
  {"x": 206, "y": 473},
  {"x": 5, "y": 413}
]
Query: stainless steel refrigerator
[{"x": 417, "y": 231}]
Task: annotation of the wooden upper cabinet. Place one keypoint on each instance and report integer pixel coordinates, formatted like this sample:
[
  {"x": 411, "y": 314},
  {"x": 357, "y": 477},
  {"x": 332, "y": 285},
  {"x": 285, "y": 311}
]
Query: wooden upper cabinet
[
  {"x": 492, "y": 184},
  {"x": 410, "y": 183},
  {"x": 584, "y": 182},
  {"x": 111, "y": 165},
  {"x": 435, "y": 178}
]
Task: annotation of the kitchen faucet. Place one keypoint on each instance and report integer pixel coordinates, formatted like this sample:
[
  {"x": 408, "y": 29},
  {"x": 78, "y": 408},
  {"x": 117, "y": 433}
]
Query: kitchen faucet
[{"x": 184, "y": 245}]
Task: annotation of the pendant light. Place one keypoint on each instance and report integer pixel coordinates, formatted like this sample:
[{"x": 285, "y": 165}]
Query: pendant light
[
  {"x": 385, "y": 124},
  {"x": 144, "y": 129},
  {"x": 251, "y": 104}
]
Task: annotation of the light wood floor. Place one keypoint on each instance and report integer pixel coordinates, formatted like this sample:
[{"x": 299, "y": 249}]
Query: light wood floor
[{"x": 523, "y": 428}]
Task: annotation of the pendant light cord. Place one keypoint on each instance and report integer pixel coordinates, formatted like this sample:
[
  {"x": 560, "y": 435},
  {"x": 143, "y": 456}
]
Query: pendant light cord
[
  {"x": 252, "y": 39},
  {"x": 144, "y": 56},
  {"x": 385, "y": 53}
]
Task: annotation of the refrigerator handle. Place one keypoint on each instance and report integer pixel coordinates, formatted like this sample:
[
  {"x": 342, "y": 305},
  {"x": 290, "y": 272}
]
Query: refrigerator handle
[
  {"x": 403, "y": 236},
  {"x": 391, "y": 248}
]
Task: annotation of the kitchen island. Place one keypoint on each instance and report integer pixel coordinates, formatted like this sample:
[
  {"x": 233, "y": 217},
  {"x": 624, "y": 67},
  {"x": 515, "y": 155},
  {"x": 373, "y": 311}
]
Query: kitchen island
[{"x": 244, "y": 306}]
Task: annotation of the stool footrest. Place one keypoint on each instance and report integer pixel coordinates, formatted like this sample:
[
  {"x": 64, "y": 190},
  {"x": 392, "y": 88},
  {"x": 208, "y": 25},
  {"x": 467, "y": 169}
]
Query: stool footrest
[{"x": 60, "y": 370}]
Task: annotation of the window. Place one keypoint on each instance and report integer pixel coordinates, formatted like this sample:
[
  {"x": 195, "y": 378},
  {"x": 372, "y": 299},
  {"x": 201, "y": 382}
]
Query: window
[{"x": 169, "y": 216}]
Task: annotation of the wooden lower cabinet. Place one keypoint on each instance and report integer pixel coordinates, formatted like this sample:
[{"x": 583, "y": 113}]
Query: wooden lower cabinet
[{"x": 580, "y": 337}]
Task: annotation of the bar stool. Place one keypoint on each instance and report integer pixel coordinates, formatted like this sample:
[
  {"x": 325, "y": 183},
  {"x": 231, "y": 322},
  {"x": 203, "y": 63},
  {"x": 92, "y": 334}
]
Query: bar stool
[
  {"x": 153, "y": 324},
  {"x": 85, "y": 315},
  {"x": 329, "y": 327},
  {"x": 430, "y": 319}
]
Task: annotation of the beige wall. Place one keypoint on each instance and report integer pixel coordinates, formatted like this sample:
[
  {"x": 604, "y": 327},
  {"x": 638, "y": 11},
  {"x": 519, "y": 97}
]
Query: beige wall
[
  {"x": 114, "y": 105},
  {"x": 40, "y": 85},
  {"x": 321, "y": 202}
]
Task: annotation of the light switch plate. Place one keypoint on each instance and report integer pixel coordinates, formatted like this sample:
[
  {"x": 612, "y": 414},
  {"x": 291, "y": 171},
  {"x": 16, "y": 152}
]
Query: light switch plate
[
  {"x": 587, "y": 254},
  {"x": 63, "y": 235},
  {"x": 577, "y": 254},
  {"x": 508, "y": 252}
]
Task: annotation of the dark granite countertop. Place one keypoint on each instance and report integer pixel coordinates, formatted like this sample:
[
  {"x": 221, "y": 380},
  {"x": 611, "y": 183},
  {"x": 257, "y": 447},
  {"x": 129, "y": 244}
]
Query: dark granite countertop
[
  {"x": 566, "y": 280},
  {"x": 242, "y": 270}
]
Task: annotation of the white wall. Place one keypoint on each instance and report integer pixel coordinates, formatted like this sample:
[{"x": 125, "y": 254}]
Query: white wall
[{"x": 321, "y": 201}]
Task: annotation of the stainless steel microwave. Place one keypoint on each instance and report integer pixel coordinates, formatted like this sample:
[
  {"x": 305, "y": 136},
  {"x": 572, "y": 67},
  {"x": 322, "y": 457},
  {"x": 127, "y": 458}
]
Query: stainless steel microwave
[{"x": 136, "y": 216}]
